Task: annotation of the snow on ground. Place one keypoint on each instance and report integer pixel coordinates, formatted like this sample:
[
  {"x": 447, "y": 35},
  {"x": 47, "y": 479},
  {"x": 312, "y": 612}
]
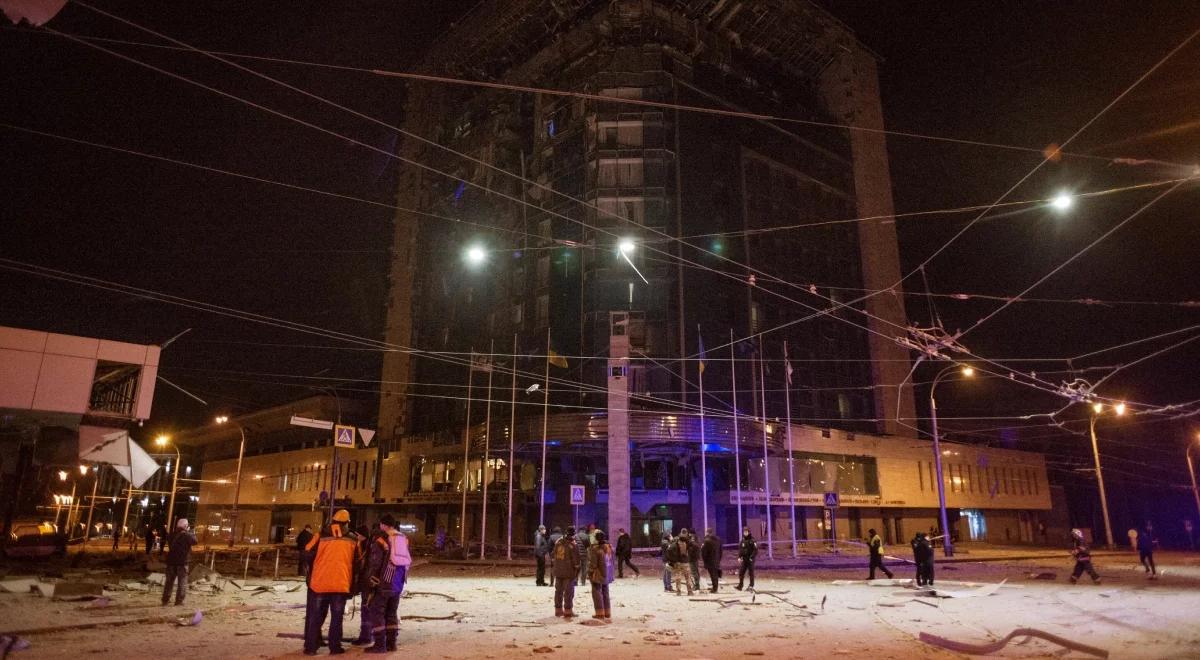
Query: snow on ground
[{"x": 498, "y": 615}]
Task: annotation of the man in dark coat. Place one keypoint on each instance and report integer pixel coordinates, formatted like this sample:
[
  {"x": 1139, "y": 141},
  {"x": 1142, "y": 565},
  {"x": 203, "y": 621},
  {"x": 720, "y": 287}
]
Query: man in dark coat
[
  {"x": 663, "y": 549},
  {"x": 923, "y": 558},
  {"x": 302, "y": 540},
  {"x": 565, "y": 567},
  {"x": 747, "y": 552},
  {"x": 1145, "y": 546},
  {"x": 693, "y": 558},
  {"x": 625, "y": 554},
  {"x": 554, "y": 537},
  {"x": 710, "y": 553},
  {"x": 541, "y": 548},
  {"x": 582, "y": 540},
  {"x": 875, "y": 548}
]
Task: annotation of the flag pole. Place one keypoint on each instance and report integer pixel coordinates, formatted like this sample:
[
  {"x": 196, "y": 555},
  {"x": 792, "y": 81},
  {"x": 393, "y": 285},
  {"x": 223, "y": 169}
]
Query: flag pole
[
  {"x": 762, "y": 389},
  {"x": 737, "y": 440},
  {"x": 545, "y": 427},
  {"x": 787, "y": 390},
  {"x": 512, "y": 441},
  {"x": 703, "y": 449},
  {"x": 466, "y": 478},
  {"x": 487, "y": 453}
]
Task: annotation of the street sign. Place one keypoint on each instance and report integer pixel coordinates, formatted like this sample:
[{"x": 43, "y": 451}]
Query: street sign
[
  {"x": 366, "y": 435},
  {"x": 343, "y": 436},
  {"x": 577, "y": 495},
  {"x": 831, "y": 500},
  {"x": 311, "y": 423}
]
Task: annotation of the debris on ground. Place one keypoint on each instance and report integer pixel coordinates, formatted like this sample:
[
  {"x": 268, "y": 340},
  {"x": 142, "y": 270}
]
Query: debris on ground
[
  {"x": 1042, "y": 576},
  {"x": 993, "y": 647}
]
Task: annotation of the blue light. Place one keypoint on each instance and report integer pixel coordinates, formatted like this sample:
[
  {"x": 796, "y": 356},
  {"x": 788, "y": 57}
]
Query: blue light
[
  {"x": 553, "y": 443},
  {"x": 458, "y": 192},
  {"x": 714, "y": 447}
]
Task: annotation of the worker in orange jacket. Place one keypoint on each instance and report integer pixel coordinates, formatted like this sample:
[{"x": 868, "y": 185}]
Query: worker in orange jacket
[{"x": 333, "y": 555}]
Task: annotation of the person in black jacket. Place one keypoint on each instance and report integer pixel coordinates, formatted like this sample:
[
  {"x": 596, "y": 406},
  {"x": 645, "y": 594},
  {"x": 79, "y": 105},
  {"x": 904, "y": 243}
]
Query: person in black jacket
[
  {"x": 923, "y": 558},
  {"x": 625, "y": 554},
  {"x": 693, "y": 558},
  {"x": 677, "y": 555},
  {"x": 747, "y": 551},
  {"x": 663, "y": 548},
  {"x": 1145, "y": 545},
  {"x": 302, "y": 540},
  {"x": 554, "y": 537},
  {"x": 177, "y": 562},
  {"x": 710, "y": 553},
  {"x": 541, "y": 548},
  {"x": 875, "y": 550}
]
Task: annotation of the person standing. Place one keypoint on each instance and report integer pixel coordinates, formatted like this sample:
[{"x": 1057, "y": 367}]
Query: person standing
[
  {"x": 554, "y": 537},
  {"x": 1083, "y": 558},
  {"x": 710, "y": 553},
  {"x": 923, "y": 558},
  {"x": 693, "y": 558},
  {"x": 582, "y": 540},
  {"x": 600, "y": 560},
  {"x": 875, "y": 549},
  {"x": 664, "y": 548},
  {"x": 302, "y": 540},
  {"x": 362, "y": 586},
  {"x": 329, "y": 582},
  {"x": 625, "y": 554},
  {"x": 566, "y": 567},
  {"x": 151, "y": 537},
  {"x": 177, "y": 562},
  {"x": 747, "y": 553},
  {"x": 677, "y": 556},
  {"x": 116, "y": 538},
  {"x": 541, "y": 547},
  {"x": 1145, "y": 547},
  {"x": 388, "y": 563}
]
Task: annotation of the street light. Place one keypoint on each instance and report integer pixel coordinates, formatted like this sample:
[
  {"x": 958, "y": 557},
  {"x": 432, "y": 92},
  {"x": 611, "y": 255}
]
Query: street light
[
  {"x": 966, "y": 371},
  {"x": 625, "y": 246},
  {"x": 237, "y": 485},
  {"x": 476, "y": 255},
  {"x": 1062, "y": 201},
  {"x": 1097, "y": 410},
  {"x": 163, "y": 441}
]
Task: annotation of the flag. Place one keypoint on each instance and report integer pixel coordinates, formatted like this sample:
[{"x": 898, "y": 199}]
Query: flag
[
  {"x": 554, "y": 358},
  {"x": 701, "y": 349},
  {"x": 787, "y": 365}
]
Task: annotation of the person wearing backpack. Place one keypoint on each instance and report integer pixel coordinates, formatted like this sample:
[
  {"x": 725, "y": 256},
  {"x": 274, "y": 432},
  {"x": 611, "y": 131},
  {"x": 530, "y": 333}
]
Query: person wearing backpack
[
  {"x": 677, "y": 555},
  {"x": 387, "y": 568},
  {"x": 875, "y": 547},
  {"x": 553, "y": 541},
  {"x": 601, "y": 560},
  {"x": 566, "y": 567}
]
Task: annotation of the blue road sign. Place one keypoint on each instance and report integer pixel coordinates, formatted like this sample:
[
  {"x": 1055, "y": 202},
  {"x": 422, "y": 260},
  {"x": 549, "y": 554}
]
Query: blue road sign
[
  {"x": 578, "y": 493},
  {"x": 343, "y": 436},
  {"x": 831, "y": 500}
]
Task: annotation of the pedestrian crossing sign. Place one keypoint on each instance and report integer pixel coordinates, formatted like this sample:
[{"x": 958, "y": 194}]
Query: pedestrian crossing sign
[
  {"x": 578, "y": 493},
  {"x": 343, "y": 436},
  {"x": 831, "y": 499}
]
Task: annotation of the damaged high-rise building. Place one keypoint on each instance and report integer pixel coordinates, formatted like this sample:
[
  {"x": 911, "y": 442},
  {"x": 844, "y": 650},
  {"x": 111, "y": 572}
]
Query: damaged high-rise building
[{"x": 690, "y": 130}]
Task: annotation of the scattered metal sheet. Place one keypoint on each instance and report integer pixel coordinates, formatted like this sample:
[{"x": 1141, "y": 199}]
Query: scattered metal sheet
[
  {"x": 18, "y": 585},
  {"x": 993, "y": 647}
]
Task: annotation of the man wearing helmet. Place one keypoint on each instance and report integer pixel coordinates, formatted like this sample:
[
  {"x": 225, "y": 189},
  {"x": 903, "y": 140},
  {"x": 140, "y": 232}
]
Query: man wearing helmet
[{"x": 1083, "y": 558}]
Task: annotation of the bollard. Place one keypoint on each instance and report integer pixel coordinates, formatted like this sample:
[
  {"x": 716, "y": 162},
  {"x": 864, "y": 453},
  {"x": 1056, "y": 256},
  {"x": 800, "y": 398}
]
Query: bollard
[
  {"x": 246, "y": 567},
  {"x": 276, "y": 564}
]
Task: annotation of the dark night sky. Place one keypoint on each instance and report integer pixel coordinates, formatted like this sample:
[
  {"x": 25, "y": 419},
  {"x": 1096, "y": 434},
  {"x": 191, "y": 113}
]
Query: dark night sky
[{"x": 1023, "y": 73}]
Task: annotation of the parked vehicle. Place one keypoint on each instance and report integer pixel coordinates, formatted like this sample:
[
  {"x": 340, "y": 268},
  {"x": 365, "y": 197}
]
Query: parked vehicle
[{"x": 34, "y": 540}]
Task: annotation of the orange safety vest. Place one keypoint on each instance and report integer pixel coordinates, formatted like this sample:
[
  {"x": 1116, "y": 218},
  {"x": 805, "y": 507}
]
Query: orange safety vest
[{"x": 334, "y": 564}]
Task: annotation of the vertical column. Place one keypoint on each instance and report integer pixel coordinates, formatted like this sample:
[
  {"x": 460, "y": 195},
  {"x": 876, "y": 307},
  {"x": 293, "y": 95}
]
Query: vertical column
[
  {"x": 618, "y": 424},
  {"x": 850, "y": 88}
]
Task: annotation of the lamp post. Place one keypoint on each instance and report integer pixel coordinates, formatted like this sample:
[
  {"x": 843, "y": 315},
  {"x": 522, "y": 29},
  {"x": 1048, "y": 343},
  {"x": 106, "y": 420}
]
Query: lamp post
[
  {"x": 163, "y": 441},
  {"x": 237, "y": 483},
  {"x": 87, "y": 530},
  {"x": 1097, "y": 410},
  {"x": 1192, "y": 472},
  {"x": 947, "y": 543}
]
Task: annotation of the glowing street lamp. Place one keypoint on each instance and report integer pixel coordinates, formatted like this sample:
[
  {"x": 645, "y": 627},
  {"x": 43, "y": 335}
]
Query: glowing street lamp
[
  {"x": 163, "y": 441},
  {"x": 476, "y": 255},
  {"x": 625, "y": 246},
  {"x": 237, "y": 485},
  {"x": 1062, "y": 201},
  {"x": 966, "y": 371},
  {"x": 1097, "y": 410}
]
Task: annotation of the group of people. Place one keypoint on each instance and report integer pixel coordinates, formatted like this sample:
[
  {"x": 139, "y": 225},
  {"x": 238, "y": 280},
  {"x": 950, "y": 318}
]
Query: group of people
[
  {"x": 683, "y": 554},
  {"x": 339, "y": 563},
  {"x": 584, "y": 555}
]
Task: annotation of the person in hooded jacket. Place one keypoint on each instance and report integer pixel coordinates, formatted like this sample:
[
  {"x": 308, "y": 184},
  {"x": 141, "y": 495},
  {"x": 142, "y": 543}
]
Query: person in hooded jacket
[
  {"x": 302, "y": 540},
  {"x": 565, "y": 567},
  {"x": 875, "y": 552},
  {"x": 625, "y": 554},
  {"x": 1145, "y": 546},
  {"x": 601, "y": 560},
  {"x": 710, "y": 553},
  {"x": 1083, "y": 558},
  {"x": 923, "y": 559},
  {"x": 747, "y": 552},
  {"x": 387, "y": 569},
  {"x": 583, "y": 539},
  {"x": 693, "y": 559},
  {"x": 362, "y": 586},
  {"x": 330, "y": 582}
]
